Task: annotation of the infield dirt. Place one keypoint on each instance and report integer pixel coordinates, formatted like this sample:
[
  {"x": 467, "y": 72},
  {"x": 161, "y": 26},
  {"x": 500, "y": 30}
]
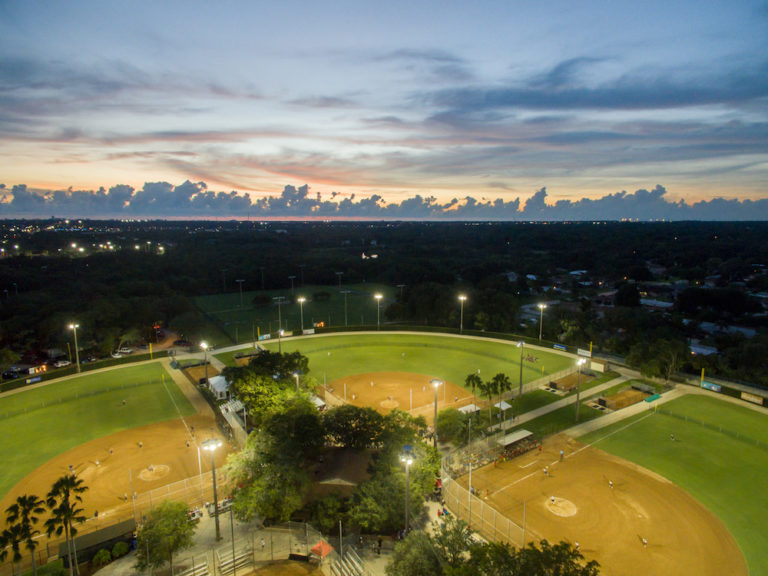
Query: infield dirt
[{"x": 609, "y": 522}]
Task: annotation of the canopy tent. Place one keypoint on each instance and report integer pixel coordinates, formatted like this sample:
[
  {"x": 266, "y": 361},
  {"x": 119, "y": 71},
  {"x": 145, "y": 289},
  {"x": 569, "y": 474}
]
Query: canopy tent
[
  {"x": 469, "y": 409},
  {"x": 502, "y": 405},
  {"x": 322, "y": 549},
  {"x": 513, "y": 437}
]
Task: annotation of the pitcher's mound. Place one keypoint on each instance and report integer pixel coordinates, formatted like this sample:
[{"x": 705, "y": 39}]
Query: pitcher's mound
[
  {"x": 154, "y": 472},
  {"x": 389, "y": 404},
  {"x": 562, "y": 507}
]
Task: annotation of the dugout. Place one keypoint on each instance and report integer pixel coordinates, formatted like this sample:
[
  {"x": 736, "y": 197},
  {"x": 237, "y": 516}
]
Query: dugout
[
  {"x": 89, "y": 544},
  {"x": 516, "y": 443}
]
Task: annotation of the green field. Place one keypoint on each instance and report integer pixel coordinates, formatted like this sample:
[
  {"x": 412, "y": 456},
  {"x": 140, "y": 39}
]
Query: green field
[
  {"x": 718, "y": 457},
  {"x": 244, "y": 322},
  {"x": 59, "y": 416},
  {"x": 445, "y": 357}
]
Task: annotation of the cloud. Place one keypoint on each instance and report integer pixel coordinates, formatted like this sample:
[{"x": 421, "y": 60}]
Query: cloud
[{"x": 194, "y": 200}]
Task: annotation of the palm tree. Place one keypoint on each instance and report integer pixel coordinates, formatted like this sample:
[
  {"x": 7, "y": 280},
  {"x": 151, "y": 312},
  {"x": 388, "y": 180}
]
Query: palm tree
[
  {"x": 488, "y": 389},
  {"x": 62, "y": 500},
  {"x": 502, "y": 384},
  {"x": 473, "y": 381},
  {"x": 20, "y": 518}
]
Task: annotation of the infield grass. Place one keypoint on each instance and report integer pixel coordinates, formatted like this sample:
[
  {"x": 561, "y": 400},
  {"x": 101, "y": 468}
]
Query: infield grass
[
  {"x": 40, "y": 423},
  {"x": 717, "y": 456},
  {"x": 449, "y": 358}
]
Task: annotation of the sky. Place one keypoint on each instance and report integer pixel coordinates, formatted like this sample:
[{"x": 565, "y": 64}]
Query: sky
[{"x": 429, "y": 109}]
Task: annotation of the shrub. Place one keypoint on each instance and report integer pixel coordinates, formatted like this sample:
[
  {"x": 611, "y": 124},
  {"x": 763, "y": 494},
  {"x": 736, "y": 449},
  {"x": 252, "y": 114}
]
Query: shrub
[
  {"x": 102, "y": 558},
  {"x": 120, "y": 549}
]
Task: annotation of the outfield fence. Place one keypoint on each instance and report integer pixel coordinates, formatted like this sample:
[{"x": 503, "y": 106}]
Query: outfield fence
[{"x": 714, "y": 427}]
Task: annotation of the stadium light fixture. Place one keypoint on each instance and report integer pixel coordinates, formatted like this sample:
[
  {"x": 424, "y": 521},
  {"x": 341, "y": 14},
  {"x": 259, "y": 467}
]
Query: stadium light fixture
[
  {"x": 204, "y": 346},
  {"x": 436, "y": 383},
  {"x": 541, "y": 318},
  {"x": 462, "y": 299},
  {"x": 211, "y": 445},
  {"x": 74, "y": 328},
  {"x": 378, "y": 310},
  {"x": 301, "y": 301},
  {"x": 407, "y": 459}
]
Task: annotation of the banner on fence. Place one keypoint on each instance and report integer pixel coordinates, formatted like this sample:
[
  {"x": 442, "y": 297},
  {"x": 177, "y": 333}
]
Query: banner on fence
[
  {"x": 711, "y": 386},
  {"x": 752, "y": 398}
]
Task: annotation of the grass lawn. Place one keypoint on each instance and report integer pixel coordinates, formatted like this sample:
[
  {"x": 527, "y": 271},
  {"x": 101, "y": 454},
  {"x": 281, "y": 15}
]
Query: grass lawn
[
  {"x": 241, "y": 323},
  {"x": 59, "y": 416},
  {"x": 722, "y": 470},
  {"x": 445, "y": 357}
]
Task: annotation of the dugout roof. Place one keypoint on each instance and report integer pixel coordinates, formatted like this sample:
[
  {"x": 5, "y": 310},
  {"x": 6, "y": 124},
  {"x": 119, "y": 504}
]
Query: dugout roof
[{"x": 513, "y": 437}]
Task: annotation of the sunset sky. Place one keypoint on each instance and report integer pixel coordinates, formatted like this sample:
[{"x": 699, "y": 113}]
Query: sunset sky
[{"x": 487, "y": 100}]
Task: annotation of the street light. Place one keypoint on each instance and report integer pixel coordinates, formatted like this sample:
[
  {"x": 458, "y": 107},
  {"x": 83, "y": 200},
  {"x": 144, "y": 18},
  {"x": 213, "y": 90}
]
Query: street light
[
  {"x": 74, "y": 328},
  {"x": 204, "y": 346},
  {"x": 279, "y": 341},
  {"x": 211, "y": 444},
  {"x": 462, "y": 298},
  {"x": 301, "y": 301},
  {"x": 407, "y": 459},
  {"x": 436, "y": 383},
  {"x": 579, "y": 364},
  {"x": 541, "y": 318},
  {"x": 378, "y": 311}
]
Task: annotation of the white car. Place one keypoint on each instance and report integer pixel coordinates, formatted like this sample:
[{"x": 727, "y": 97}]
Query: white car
[
  {"x": 116, "y": 355},
  {"x": 61, "y": 363},
  {"x": 125, "y": 350}
]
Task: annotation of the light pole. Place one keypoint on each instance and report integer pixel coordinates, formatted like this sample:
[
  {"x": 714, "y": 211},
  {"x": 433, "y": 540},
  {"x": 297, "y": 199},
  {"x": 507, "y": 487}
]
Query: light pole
[
  {"x": 378, "y": 311},
  {"x": 521, "y": 345},
  {"x": 579, "y": 364},
  {"x": 240, "y": 282},
  {"x": 345, "y": 292},
  {"x": 407, "y": 459},
  {"x": 211, "y": 444},
  {"x": 436, "y": 383},
  {"x": 279, "y": 301},
  {"x": 541, "y": 318},
  {"x": 74, "y": 328},
  {"x": 301, "y": 301},
  {"x": 462, "y": 298},
  {"x": 204, "y": 346},
  {"x": 279, "y": 341},
  {"x": 291, "y": 278},
  {"x": 339, "y": 274},
  {"x": 296, "y": 375}
]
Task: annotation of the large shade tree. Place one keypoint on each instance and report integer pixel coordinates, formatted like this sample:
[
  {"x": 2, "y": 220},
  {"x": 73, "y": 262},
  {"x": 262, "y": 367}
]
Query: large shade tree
[{"x": 166, "y": 530}]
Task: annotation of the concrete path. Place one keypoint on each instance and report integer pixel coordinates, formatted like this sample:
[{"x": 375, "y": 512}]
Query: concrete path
[{"x": 566, "y": 401}]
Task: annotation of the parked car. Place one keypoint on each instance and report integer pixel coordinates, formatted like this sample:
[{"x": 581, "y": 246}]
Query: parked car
[
  {"x": 10, "y": 375},
  {"x": 125, "y": 350},
  {"x": 90, "y": 358},
  {"x": 61, "y": 363},
  {"x": 116, "y": 355}
]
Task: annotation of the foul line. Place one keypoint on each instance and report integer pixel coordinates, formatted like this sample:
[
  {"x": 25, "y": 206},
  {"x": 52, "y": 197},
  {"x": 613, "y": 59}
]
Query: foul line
[
  {"x": 177, "y": 408},
  {"x": 573, "y": 453}
]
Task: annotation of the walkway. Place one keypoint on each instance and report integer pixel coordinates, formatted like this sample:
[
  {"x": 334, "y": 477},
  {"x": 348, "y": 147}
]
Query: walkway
[{"x": 567, "y": 401}]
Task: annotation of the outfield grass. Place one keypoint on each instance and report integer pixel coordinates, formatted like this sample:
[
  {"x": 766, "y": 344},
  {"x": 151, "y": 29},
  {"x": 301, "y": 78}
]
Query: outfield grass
[
  {"x": 722, "y": 470},
  {"x": 445, "y": 357},
  {"x": 241, "y": 323},
  {"x": 64, "y": 414}
]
